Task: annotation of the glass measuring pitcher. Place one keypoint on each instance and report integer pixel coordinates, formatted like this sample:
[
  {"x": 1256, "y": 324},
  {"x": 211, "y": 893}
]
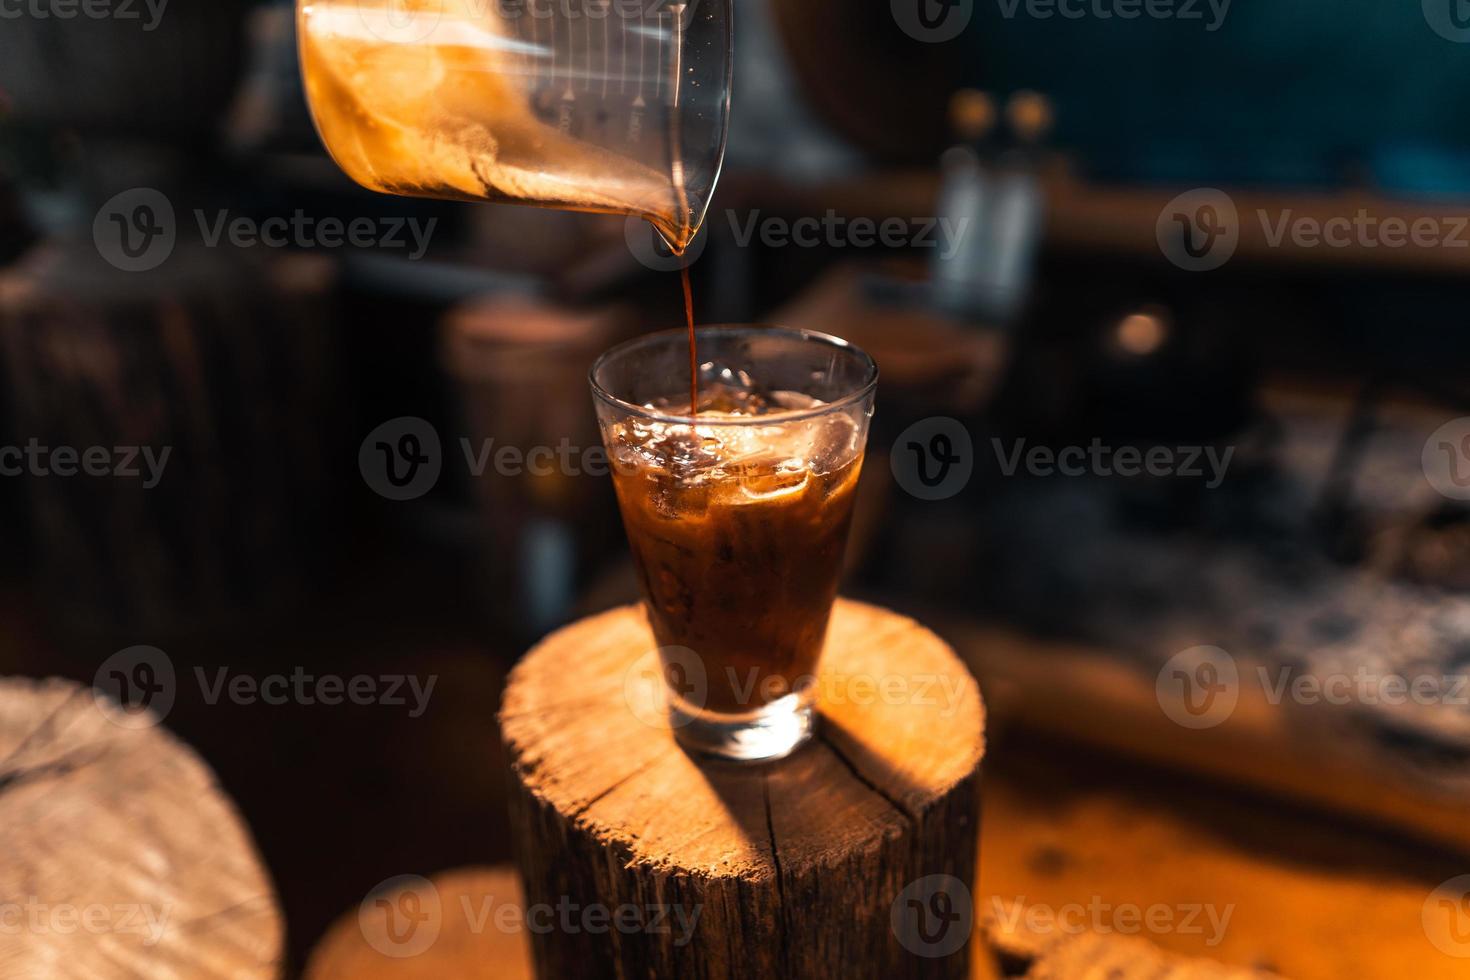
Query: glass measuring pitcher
[{"x": 615, "y": 106}]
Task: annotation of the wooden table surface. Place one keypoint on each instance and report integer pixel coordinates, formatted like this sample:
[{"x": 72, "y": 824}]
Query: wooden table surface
[{"x": 340, "y": 800}]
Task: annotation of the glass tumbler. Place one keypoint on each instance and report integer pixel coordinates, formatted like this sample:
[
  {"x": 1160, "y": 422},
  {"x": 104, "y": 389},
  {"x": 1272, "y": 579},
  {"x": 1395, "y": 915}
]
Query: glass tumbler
[{"x": 737, "y": 517}]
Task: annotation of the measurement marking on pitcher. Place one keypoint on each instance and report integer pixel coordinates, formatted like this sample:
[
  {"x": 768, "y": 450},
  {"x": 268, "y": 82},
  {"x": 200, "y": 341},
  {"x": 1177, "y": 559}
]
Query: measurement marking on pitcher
[
  {"x": 555, "y": 51},
  {"x": 587, "y": 73},
  {"x": 658, "y": 76},
  {"x": 539, "y": 60},
  {"x": 524, "y": 58},
  {"x": 635, "y": 117}
]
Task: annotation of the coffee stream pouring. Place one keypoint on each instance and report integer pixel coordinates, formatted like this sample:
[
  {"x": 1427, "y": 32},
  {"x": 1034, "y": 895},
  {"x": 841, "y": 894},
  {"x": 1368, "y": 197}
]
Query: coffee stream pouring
[{"x": 613, "y": 106}]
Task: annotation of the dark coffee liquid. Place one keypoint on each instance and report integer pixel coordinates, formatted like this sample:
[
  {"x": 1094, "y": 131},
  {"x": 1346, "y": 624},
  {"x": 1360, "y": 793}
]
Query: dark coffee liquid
[
  {"x": 693, "y": 356},
  {"x": 737, "y": 536}
]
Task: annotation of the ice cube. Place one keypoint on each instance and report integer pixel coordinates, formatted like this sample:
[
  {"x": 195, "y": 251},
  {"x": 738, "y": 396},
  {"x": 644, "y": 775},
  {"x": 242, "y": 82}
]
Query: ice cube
[
  {"x": 764, "y": 482},
  {"x": 727, "y": 389},
  {"x": 717, "y": 373}
]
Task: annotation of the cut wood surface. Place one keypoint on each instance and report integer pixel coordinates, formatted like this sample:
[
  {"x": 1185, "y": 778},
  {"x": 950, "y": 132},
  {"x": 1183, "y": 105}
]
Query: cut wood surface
[
  {"x": 1349, "y": 687},
  {"x": 123, "y": 857},
  {"x": 1052, "y": 955},
  {"x": 479, "y": 932},
  {"x": 1097, "y": 695},
  {"x": 1082, "y": 840},
  {"x": 793, "y": 869},
  {"x": 476, "y": 930}
]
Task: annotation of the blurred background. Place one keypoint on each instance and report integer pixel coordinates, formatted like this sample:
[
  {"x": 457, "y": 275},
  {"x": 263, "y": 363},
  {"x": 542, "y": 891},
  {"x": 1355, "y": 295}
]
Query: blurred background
[{"x": 1169, "y": 305}]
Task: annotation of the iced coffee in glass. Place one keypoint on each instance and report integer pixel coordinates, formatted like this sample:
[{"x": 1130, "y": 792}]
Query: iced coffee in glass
[{"x": 737, "y": 511}]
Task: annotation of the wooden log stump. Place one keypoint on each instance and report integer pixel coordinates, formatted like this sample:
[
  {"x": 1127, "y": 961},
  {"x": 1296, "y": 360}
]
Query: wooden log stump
[
  {"x": 468, "y": 933},
  {"x": 854, "y": 857},
  {"x": 123, "y": 857},
  {"x": 208, "y": 384}
]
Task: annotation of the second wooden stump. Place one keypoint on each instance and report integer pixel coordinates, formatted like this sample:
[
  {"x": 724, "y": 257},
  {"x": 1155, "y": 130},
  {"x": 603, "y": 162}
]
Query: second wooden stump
[{"x": 853, "y": 858}]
